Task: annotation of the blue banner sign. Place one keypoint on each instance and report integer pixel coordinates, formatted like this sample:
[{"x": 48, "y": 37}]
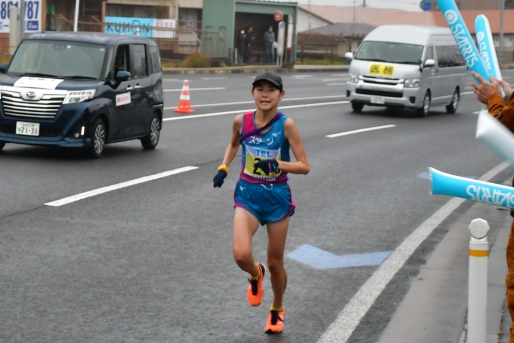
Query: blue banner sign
[
  {"x": 462, "y": 36},
  {"x": 486, "y": 46},
  {"x": 129, "y": 26}
]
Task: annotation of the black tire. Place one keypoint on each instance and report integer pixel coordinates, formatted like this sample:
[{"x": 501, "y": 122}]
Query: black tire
[
  {"x": 98, "y": 139},
  {"x": 423, "y": 111},
  {"x": 452, "y": 108},
  {"x": 357, "y": 106},
  {"x": 150, "y": 141},
  {"x": 2, "y": 144}
]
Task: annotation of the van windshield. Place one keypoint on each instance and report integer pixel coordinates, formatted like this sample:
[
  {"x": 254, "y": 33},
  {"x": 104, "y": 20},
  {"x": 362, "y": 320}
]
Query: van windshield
[
  {"x": 60, "y": 59},
  {"x": 390, "y": 52}
]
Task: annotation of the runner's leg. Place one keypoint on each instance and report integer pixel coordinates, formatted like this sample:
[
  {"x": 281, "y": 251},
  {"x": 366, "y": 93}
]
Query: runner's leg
[
  {"x": 277, "y": 233},
  {"x": 245, "y": 226}
]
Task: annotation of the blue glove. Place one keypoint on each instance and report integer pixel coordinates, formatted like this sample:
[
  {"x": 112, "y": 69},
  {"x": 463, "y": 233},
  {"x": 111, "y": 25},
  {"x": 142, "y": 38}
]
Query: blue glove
[
  {"x": 267, "y": 166},
  {"x": 220, "y": 177}
]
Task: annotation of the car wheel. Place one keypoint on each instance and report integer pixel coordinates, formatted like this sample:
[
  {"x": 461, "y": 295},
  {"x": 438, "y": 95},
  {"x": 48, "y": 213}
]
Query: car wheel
[
  {"x": 98, "y": 138},
  {"x": 423, "y": 111},
  {"x": 152, "y": 139},
  {"x": 357, "y": 106},
  {"x": 2, "y": 144},
  {"x": 452, "y": 107}
]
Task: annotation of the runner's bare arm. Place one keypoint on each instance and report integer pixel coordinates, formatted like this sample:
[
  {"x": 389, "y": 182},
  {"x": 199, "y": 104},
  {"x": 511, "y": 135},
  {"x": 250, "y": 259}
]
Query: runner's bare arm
[
  {"x": 301, "y": 166},
  {"x": 233, "y": 146}
]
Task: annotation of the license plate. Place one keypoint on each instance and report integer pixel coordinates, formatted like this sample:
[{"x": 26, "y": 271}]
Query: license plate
[
  {"x": 27, "y": 129},
  {"x": 378, "y": 100}
]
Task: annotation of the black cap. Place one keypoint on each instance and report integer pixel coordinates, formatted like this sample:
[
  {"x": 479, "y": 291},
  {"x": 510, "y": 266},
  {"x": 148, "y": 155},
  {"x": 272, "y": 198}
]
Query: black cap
[{"x": 270, "y": 77}]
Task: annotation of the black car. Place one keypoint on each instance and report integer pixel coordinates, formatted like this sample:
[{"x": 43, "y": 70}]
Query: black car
[{"x": 82, "y": 89}]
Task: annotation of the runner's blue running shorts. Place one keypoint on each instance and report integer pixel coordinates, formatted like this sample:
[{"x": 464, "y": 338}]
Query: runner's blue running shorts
[{"x": 267, "y": 202}]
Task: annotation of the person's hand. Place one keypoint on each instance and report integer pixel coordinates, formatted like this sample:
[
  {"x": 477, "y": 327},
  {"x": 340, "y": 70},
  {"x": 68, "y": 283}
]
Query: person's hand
[
  {"x": 267, "y": 166},
  {"x": 219, "y": 178},
  {"x": 484, "y": 89},
  {"x": 507, "y": 88}
]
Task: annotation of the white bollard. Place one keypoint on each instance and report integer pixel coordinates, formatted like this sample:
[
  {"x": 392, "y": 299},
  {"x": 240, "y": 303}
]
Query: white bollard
[{"x": 477, "y": 296}]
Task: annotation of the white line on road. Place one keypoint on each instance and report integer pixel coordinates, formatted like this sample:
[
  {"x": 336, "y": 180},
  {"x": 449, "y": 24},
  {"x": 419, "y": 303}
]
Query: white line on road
[
  {"x": 253, "y": 102},
  {"x": 360, "y": 131},
  {"x": 336, "y": 84},
  {"x": 102, "y": 190},
  {"x": 196, "y": 89},
  {"x": 252, "y": 109},
  {"x": 351, "y": 315}
]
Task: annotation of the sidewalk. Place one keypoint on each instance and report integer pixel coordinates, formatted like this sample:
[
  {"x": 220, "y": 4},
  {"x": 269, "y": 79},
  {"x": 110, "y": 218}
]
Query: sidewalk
[
  {"x": 435, "y": 308},
  {"x": 256, "y": 69}
]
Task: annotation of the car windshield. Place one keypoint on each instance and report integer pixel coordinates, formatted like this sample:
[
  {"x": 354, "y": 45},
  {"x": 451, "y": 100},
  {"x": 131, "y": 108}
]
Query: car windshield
[
  {"x": 390, "y": 52},
  {"x": 60, "y": 59}
]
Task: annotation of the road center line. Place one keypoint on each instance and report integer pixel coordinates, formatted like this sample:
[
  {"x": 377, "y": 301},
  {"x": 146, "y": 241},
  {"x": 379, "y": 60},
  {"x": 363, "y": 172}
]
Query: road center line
[
  {"x": 360, "y": 131},
  {"x": 251, "y": 109},
  {"x": 351, "y": 315},
  {"x": 102, "y": 190},
  {"x": 253, "y": 102}
]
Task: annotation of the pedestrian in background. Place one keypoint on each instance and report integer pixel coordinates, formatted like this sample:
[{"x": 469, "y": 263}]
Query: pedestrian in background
[
  {"x": 269, "y": 38},
  {"x": 240, "y": 44},
  {"x": 490, "y": 94},
  {"x": 248, "y": 44},
  {"x": 262, "y": 194}
]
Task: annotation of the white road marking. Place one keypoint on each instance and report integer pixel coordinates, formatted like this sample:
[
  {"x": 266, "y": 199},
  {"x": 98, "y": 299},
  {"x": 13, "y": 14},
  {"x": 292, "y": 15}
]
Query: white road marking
[
  {"x": 213, "y": 78},
  {"x": 360, "y": 131},
  {"x": 331, "y": 80},
  {"x": 196, "y": 89},
  {"x": 467, "y": 93},
  {"x": 351, "y": 315},
  {"x": 336, "y": 84},
  {"x": 102, "y": 190},
  {"x": 251, "y": 110},
  {"x": 253, "y": 102}
]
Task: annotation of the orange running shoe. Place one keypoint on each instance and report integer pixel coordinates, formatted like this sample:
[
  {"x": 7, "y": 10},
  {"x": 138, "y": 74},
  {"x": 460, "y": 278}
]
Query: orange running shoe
[
  {"x": 255, "y": 291},
  {"x": 275, "y": 322}
]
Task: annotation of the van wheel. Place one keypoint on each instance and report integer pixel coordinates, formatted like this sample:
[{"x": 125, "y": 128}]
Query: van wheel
[
  {"x": 357, "y": 106},
  {"x": 98, "y": 135},
  {"x": 2, "y": 144},
  {"x": 423, "y": 111},
  {"x": 150, "y": 141},
  {"x": 452, "y": 107}
]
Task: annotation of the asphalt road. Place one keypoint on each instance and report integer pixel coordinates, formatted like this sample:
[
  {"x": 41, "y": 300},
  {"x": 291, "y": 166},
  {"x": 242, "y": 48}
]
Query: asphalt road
[{"x": 152, "y": 262}]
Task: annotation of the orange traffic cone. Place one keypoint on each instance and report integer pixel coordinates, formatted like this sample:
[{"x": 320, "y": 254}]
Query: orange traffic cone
[{"x": 184, "y": 104}]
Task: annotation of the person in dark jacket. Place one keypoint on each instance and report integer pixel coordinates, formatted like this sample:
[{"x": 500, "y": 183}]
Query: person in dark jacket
[
  {"x": 269, "y": 38},
  {"x": 249, "y": 44}
]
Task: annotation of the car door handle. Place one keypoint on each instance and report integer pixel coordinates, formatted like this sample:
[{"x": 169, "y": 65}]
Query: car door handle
[
  {"x": 137, "y": 86},
  {"x": 129, "y": 88}
]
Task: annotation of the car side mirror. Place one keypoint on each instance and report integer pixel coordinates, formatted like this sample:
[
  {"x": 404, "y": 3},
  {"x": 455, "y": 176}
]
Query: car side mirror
[
  {"x": 429, "y": 63},
  {"x": 3, "y": 67},
  {"x": 348, "y": 55},
  {"x": 121, "y": 76}
]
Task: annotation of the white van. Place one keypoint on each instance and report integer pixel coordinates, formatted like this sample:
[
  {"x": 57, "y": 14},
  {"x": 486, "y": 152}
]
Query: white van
[{"x": 407, "y": 66}]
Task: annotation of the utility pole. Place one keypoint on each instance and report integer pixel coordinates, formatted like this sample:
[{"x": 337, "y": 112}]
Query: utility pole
[
  {"x": 502, "y": 10},
  {"x": 309, "y": 15},
  {"x": 363, "y": 3},
  {"x": 76, "y": 22}
]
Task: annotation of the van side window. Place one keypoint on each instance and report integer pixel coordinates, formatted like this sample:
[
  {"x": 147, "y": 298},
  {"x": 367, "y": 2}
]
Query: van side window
[
  {"x": 155, "y": 60},
  {"x": 121, "y": 59},
  {"x": 429, "y": 53},
  {"x": 457, "y": 58},
  {"x": 139, "y": 61},
  {"x": 442, "y": 56}
]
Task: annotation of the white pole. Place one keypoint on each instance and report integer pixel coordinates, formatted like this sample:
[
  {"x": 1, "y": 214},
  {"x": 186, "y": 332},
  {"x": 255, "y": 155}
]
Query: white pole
[
  {"x": 477, "y": 296},
  {"x": 76, "y": 22}
]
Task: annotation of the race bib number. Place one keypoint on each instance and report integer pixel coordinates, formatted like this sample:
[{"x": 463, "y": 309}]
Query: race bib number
[
  {"x": 381, "y": 69},
  {"x": 254, "y": 155}
]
